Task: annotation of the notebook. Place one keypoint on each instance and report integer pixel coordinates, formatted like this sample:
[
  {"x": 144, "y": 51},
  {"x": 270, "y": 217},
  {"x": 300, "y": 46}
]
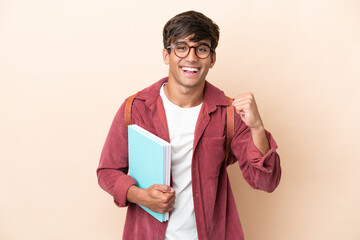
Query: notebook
[{"x": 149, "y": 161}]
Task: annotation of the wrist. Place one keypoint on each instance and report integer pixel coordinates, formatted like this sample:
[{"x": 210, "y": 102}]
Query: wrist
[
  {"x": 260, "y": 140},
  {"x": 134, "y": 194},
  {"x": 257, "y": 130}
]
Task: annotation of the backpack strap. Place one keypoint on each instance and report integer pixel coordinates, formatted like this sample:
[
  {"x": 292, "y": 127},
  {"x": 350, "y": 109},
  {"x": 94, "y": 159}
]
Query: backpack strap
[
  {"x": 229, "y": 127},
  {"x": 128, "y": 107}
]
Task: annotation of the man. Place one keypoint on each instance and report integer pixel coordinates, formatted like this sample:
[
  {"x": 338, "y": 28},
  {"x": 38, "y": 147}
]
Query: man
[{"x": 190, "y": 113}]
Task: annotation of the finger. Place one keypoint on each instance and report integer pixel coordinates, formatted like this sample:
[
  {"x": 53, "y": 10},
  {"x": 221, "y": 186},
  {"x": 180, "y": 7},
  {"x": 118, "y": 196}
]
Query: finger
[
  {"x": 167, "y": 198},
  {"x": 163, "y": 188},
  {"x": 243, "y": 102},
  {"x": 244, "y": 96},
  {"x": 170, "y": 207},
  {"x": 241, "y": 113},
  {"x": 242, "y": 107},
  {"x": 165, "y": 207},
  {"x": 170, "y": 198}
]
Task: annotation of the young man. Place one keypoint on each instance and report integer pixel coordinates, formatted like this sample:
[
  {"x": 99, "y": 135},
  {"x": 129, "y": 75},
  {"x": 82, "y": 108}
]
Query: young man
[{"x": 190, "y": 113}]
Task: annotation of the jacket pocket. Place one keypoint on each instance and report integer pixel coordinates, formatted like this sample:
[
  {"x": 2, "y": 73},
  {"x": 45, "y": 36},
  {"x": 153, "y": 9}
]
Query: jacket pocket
[{"x": 213, "y": 156}]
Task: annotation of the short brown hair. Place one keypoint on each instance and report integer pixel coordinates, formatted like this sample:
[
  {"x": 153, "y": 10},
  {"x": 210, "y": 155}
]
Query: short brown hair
[{"x": 188, "y": 23}]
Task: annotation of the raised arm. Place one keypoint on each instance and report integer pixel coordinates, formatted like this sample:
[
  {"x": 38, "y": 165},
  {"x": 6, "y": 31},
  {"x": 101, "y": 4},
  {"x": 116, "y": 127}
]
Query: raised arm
[{"x": 253, "y": 147}]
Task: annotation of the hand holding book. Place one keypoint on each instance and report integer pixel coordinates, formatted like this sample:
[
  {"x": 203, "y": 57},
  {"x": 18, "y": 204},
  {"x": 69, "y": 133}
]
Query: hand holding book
[{"x": 158, "y": 198}]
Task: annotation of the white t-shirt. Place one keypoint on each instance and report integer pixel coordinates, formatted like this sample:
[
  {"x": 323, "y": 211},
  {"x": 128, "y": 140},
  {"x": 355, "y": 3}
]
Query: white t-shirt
[{"x": 181, "y": 123}]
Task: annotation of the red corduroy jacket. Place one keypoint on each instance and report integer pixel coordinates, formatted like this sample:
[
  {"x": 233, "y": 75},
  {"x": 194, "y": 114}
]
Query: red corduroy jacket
[{"x": 215, "y": 210}]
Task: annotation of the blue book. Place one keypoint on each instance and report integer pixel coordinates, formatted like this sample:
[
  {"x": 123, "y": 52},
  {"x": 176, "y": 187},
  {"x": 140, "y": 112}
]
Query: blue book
[{"x": 149, "y": 161}]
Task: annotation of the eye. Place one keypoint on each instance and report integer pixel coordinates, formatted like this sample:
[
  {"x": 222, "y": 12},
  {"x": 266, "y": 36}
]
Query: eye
[
  {"x": 181, "y": 48},
  {"x": 203, "y": 49}
]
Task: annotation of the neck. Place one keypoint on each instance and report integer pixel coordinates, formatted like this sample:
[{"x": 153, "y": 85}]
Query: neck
[{"x": 184, "y": 97}]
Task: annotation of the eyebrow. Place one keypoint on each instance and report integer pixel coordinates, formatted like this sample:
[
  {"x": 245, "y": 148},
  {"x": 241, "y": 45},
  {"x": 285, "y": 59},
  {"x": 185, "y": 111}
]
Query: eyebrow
[{"x": 199, "y": 43}]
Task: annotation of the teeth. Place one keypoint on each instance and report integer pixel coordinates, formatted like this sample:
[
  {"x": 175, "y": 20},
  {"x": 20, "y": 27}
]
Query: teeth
[{"x": 190, "y": 69}]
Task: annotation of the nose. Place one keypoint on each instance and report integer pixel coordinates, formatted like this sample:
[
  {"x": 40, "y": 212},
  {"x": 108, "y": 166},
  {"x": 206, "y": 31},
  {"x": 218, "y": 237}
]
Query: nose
[{"x": 191, "y": 57}]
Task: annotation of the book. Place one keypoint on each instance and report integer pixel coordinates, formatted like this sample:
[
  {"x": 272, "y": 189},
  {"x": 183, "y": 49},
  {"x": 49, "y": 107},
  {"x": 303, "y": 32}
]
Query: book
[{"x": 149, "y": 161}]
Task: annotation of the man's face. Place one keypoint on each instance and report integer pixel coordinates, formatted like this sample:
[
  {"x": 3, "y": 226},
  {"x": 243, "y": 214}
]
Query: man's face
[{"x": 190, "y": 71}]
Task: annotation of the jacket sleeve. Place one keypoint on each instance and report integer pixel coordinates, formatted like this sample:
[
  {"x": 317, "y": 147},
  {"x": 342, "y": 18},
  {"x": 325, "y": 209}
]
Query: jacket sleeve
[
  {"x": 113, "y": 166},
  {"x": 261, "y": 172}
]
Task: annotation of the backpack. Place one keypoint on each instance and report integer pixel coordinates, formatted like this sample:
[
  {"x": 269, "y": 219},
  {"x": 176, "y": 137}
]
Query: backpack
[{"x": 229, "y": 120}]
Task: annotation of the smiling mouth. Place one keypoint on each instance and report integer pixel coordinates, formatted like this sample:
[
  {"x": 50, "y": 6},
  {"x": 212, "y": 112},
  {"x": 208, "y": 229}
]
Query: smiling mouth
[{"x": 190, "y": 69}]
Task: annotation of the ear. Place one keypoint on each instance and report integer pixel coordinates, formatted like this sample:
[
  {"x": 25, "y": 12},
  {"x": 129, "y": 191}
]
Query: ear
[
  {"x": 213, "y": 59},
  {"x": 166, "y": 56}
]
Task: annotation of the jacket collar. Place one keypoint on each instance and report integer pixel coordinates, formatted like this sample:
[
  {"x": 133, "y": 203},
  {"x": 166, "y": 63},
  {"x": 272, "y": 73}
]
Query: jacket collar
[{"x": 213, "y": 96}]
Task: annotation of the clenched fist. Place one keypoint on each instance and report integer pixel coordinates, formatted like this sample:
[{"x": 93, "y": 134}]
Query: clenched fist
[{"x": 245, "y": 105}]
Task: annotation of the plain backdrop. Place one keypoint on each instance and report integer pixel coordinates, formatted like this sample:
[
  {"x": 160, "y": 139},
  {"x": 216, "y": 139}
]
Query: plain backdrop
[{"x": 66, "y": 67}]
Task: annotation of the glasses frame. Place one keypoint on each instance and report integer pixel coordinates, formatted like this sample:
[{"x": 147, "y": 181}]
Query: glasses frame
[{"x": 195, "y": 47}]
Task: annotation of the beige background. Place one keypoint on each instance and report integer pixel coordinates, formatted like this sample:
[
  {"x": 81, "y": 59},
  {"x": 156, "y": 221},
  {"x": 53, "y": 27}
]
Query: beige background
[{"x": 66, "y": 66}]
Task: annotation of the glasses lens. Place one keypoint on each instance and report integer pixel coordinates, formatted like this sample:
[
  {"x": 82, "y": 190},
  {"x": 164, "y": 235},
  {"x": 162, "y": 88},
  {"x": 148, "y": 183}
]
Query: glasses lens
[
  {"x": 202, "y": 51},
  {"x": 181, "y": 50}
]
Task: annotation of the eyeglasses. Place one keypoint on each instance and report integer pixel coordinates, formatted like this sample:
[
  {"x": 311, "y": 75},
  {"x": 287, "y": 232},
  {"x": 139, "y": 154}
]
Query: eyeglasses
[{"x": 181, "y": 50}]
